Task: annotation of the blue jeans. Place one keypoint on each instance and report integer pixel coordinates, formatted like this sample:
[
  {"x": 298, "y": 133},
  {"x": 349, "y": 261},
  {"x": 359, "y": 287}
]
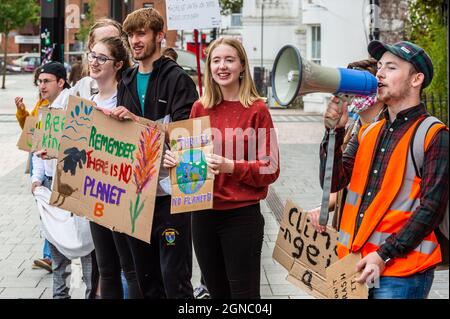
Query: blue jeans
[
  {"x": 46, "y": 249},
  {"x": 416, "y": 286}
]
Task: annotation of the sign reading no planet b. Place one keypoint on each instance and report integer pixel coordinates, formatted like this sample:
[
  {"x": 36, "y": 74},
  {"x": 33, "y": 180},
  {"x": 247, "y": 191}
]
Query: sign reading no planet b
[
  {"x": 192, "y": 183},
  {"x": 192, "y": 14},
  {"x": 108, "y": 170}
]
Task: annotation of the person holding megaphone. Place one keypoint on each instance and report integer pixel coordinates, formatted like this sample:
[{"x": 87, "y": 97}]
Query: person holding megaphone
[
  {"x": 396, "y": 170},
  {"x": 367, "y": 110}
]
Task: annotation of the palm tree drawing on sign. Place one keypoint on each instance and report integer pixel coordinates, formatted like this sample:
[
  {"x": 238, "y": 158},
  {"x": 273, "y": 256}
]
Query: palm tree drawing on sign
[{"x": 145, "y": 169}]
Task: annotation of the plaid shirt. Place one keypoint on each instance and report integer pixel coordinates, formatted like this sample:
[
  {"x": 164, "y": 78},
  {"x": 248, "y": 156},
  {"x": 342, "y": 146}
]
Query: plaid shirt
[{"x": 434, "y": 184}]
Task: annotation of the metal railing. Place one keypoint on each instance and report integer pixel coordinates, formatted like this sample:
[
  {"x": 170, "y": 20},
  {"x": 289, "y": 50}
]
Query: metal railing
[{"x": 437, "y": 105}]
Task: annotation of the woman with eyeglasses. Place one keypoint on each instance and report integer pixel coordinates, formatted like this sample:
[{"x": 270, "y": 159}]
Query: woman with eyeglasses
[{"x": 108, "y": 58}]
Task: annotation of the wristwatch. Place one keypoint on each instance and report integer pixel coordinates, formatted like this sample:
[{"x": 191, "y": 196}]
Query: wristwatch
[{"x": 385, "y": 258}]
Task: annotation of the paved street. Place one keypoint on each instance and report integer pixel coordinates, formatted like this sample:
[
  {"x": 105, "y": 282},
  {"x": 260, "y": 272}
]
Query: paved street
[{"x": 299, "y": 135}]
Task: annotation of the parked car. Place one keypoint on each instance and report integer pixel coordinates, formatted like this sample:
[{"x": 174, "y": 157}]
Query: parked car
[
  {"x": 26, "y": 59},
  {"x": 10, "y": 68}
]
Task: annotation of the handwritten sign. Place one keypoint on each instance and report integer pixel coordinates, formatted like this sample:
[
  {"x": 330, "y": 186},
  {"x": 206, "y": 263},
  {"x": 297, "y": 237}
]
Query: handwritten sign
[
  {"x": 304, "y": 252},
  {"x": 341, "y": 276},
  {"x": 49, "y": 130},
  {"x": 192, "y": 14},
  {"x": 25, "y": 142},
  {"x": 192, "y": 182},
  {"x": 108, "y": 170}
]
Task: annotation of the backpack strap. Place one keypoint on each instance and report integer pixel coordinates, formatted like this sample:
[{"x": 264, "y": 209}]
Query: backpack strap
[{"x": 421, "y": 139}]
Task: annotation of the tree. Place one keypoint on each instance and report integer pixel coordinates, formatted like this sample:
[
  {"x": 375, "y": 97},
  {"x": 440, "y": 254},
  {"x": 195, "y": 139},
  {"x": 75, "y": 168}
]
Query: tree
[
  {"x": 427, "y": 26},
  {"x": 87, "y": 23},
  {"x": 230, "y": 6},
  {"x": 15, "y": 14}
]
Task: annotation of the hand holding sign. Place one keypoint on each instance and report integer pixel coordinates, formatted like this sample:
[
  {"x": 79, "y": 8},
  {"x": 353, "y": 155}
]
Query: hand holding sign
[
  {"x": 169, "y": 159},
  {"x": 372, "y": 267},
  {"x": 122, "y": 113},
  {"x": 219, "y": 164}
]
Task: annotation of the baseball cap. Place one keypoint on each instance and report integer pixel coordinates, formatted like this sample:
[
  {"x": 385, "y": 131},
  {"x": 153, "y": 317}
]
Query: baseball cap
[
  {"x": 407, "y": 51},
  {"x": 57, "y": 69}
]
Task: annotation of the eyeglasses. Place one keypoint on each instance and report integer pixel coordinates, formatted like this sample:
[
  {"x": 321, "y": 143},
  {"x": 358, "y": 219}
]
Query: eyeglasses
[
  {"x": 100, "y": 58},
  {"x": 44, "y": 81}
]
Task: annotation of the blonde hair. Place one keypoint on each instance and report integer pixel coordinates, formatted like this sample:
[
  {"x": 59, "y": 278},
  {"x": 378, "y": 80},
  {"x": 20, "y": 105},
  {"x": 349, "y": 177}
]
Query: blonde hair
[
  {"x": 247, "y": 90},
  {"x": 144, "y": 18},
  {"x": 105, "y": 22}
]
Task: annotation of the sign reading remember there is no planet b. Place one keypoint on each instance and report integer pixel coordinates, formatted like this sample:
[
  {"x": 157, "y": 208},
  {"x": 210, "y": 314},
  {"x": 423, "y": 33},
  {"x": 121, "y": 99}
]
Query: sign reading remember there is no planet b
[{"x": 192, "y": 14}]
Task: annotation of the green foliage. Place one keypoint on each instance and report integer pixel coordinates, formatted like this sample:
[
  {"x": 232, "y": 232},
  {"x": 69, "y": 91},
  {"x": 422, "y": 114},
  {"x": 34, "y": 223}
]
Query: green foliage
[
  {"x": 87, "y": 23},
  {"x": 228, "y": 7},
  {"x": 427, "y": 26},
  {"x": 15, "y": 14}
]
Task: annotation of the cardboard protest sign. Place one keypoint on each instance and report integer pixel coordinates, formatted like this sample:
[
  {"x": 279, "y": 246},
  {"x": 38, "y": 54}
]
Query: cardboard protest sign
[
  {"x": 49, "y": 130},
  {"x": 108, "y": 170},
  {"x": 341, "y": 275},
  {"x": 25, "y": 142},
  {"x": 192, "y": 183},
  {"x": 304, "y": 252}
]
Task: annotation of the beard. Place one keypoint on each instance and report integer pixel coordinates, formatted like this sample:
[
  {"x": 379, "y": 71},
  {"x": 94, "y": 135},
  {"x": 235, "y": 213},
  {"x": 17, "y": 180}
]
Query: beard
[
  {"x": 148, "y": 51},
  {"x": 389, "y": 96}
]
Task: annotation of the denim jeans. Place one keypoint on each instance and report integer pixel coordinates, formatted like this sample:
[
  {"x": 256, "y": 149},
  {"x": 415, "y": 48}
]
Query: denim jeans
[
  {"x": 46, "y": 250},
  {"x": 47, "y": 183},
  {"x": 416, "y": 286}
]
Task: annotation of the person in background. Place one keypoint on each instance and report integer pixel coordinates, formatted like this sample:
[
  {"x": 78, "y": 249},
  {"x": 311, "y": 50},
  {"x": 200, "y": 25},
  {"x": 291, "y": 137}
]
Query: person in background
[
  {"x": 52, "y": 82},
  {"x": 367, "y": 109},
  {"x": 228, "y": 238},
  {"x": 170, "y": 53},
  {"x": 21, "y": 114},
  {"x": 77, "y": 68}
]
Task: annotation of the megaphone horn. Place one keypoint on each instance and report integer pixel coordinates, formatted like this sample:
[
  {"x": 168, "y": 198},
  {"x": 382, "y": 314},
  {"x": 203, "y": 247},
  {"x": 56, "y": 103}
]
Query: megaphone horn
[{"x": 292, "y": 76}]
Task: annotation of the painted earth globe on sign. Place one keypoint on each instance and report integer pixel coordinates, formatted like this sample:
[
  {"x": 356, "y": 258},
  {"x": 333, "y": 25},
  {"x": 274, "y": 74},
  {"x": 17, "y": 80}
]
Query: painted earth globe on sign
[{"x": 191, "y": 171}]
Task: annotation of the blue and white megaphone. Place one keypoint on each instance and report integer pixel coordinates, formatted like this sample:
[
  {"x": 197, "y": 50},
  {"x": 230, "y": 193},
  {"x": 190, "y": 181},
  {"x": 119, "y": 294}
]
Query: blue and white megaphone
[{"x": 292, "y": 76}]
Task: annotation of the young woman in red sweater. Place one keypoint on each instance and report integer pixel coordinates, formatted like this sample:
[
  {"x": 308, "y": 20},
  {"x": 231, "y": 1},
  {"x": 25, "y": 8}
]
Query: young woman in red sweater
[{"x": 228, "y": 239}]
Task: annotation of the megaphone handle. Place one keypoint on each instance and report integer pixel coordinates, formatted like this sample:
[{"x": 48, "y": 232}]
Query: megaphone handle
[{"x": 323, "y": 218}]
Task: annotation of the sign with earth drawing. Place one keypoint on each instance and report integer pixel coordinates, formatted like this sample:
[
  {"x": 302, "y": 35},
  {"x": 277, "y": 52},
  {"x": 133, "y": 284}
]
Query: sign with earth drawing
[
  {"x": 107, "y": 170},
  {"x": 192, "y": 183}
]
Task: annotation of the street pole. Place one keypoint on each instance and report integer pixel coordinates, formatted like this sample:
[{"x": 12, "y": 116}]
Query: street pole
[{"x": 262, "y": 33}]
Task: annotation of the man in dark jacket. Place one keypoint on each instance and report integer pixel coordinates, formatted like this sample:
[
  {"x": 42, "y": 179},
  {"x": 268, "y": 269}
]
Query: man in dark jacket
[{"x": 158, "y": 89}]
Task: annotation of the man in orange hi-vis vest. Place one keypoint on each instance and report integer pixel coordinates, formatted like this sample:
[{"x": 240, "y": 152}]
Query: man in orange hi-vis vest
[{"x": 396, "y": 170}]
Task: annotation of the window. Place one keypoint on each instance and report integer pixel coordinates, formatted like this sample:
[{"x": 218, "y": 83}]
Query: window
[
  {"x": 315, "y": 44},
  {"x": 236, "y": 19}
]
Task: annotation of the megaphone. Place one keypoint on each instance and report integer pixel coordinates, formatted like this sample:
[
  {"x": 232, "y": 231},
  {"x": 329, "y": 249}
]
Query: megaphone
[{"x": 292, "y": 76}]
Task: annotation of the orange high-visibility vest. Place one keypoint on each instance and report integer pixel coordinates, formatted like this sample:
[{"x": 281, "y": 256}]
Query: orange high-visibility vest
[{"x": 391, "y": 208}]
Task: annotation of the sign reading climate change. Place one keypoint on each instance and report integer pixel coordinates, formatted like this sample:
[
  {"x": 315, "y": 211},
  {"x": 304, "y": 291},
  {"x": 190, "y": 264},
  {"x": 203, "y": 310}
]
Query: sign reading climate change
[
  {"x": 192, "y": 183},
  {"x": 108, "y": 170}
]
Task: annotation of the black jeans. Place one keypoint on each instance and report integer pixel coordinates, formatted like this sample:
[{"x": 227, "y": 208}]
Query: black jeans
[
  {"x": 164, "y": 267},
  {"x": 228, "y": 247},
  {"x": 110, "y": 264}
]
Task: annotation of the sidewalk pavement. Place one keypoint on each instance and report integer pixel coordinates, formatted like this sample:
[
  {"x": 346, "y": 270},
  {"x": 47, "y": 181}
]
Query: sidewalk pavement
[{"x": 299, "y": 136}]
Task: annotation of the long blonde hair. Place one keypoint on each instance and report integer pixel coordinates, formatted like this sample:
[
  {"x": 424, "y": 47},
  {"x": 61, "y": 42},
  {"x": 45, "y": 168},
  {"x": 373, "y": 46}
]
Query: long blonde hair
[{"x": 247, "y": 90}]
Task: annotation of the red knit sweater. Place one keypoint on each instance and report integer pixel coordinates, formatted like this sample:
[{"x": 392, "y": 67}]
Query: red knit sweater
[{"x": 255, "y": 168}]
